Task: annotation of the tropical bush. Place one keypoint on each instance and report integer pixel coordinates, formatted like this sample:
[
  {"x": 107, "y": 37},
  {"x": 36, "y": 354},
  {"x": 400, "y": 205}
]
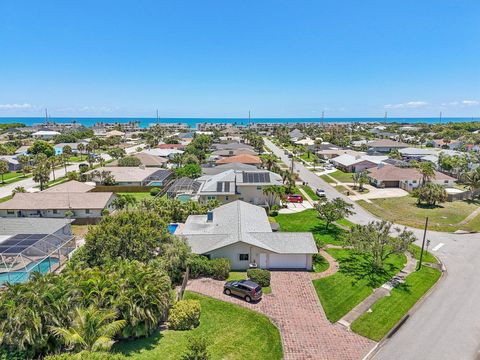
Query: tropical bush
[
  {"x": 86, "y": 355},
  {"x": 197, "y": 348},
  {"x": 260, "y": 276},
  {"x": 154, "y": 191},
  {"x": 130, "y": 161},
  {"x": 201, "y": 266},
  {"x": 139, "y": 293},
  {"x": 184, "y": 315}
]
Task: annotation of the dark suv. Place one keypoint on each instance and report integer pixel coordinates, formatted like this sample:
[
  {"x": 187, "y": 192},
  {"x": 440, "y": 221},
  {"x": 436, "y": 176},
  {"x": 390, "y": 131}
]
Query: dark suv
[{"x": 245, "y": 289}]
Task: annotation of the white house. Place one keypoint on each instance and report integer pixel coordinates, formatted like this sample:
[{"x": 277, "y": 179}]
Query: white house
[
  {"x": 45, "y": 134},
  {"x": 357, "y": 163},
  {"x": 242, "y": 233},
  {"x": 232, "y": 185}
]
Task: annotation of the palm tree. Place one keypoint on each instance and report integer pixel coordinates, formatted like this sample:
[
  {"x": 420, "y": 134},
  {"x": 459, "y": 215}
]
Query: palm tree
[
  {"x": 24, "y": 161},
  {"x": 268, "y": 160},
  {"x": 80, "y": 149},
  {"x": 427, "y": 171},
  {"x": 92, "y": 329},
  {"x": 472, "y": 180},
  {"x": 273, "y": 193},
  {"x": 3, "y": 169},
  {"x": 18, "y": 189}
]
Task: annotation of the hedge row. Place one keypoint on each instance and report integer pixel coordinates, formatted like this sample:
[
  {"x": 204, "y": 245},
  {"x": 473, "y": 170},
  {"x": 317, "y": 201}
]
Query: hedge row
[{"x": 201, "y": 266}]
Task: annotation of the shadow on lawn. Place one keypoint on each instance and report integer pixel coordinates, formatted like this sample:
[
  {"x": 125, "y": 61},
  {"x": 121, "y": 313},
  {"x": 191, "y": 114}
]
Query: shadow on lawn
[
  {"x": 134, "y": 346},
  {"x": 359, "y": 268},
  {"x": 333, "y": 231}
]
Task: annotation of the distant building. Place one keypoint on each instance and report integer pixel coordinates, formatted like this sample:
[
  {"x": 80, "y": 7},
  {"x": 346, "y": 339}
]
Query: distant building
[
  {"x": 357, "y": 163},
  {"x": 136, "y": 176},
  {"x": 45, "y": 134},
  {"x": 385, "y": 145}
]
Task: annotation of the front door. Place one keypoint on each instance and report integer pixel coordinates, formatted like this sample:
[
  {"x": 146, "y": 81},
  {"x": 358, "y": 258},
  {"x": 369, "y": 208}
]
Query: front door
[{"x": 263, "y": 261}]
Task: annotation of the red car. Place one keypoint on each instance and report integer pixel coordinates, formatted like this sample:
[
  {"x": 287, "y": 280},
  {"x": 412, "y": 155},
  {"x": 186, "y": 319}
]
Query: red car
[{"x": 294, "y": 198}]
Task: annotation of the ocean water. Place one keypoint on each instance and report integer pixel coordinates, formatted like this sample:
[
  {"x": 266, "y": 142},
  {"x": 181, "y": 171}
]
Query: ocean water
[{"x": 192, "y": 122}]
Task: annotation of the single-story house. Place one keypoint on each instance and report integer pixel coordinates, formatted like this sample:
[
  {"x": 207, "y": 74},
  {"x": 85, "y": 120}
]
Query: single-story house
[
  {"x": 296, "y": 135},
  {"x": 12, "y": 161},
  {"x": 234, "y": 185},
  {"x": 115, "y": 133},
  {"x": 74, "y": 146},
  {"x": 357, "y": 163},
  {"x": 22, "y": 150},
  {"x": 14, "y": 226},
  {"x": 164, "y": 153},
  {"x": 385, "y": 145},
  {"x": 229, "y": 153},
  {"x": 232, "y": 146},
  {"x": 442, "y": 144},
  {"x": 136, "y": 176},
  {"x": 146, "y": 160},
  {"x": 242, "y": 233},
  {"x": 71, "y": 186},
  {"x": 242, "y": 158},
  {"x": 332, "y": 153},
  {"x": 171, "y": 146},
  {"x": 389, "y": 176},
  {"x": 45, "y": 134},
  {"x": 57, "y": 204},
  {"x": 411, "y": 153},
  {"x": 214, "y": 170}
]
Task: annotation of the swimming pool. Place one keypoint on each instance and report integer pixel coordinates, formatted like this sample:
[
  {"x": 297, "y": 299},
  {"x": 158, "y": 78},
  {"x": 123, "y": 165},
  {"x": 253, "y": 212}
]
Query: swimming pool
[
  {"x": 184, "y": 197},
  {"x": 20, "y": 276},
  {"x": 155, "y": 183},
  {"x": 172, "y": 228}
]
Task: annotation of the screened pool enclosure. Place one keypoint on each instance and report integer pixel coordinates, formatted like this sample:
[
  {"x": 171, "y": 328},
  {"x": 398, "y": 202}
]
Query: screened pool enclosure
[{"x": 23, "y": 254}]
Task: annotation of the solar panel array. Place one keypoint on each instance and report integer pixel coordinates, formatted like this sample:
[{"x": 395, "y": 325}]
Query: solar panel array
[
  {"x": 256, "y": 177},
  {"x": 16, "y": 244}
]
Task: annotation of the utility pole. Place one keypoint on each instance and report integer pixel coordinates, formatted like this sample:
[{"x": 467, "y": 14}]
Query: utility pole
[
  {"x": 385, "y": 117},
  {"x": 423, "y": 244},
  {"x": 157, "y": 117},
  {"x": 46, "y": 115},
  {"x": 440, "y": 117},
  {"x": 323, "y": 118},
  {"x": 249, "y": 119}
]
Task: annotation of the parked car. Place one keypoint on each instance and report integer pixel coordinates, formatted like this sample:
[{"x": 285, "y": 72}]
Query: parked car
[
  {"x": 290, "y": 156},
  {"x": 320, "y": 193},
  {"x": 295, "y": 198},
  {"x": 329, "y": 167},
  {"x": 245, "y": 289}
]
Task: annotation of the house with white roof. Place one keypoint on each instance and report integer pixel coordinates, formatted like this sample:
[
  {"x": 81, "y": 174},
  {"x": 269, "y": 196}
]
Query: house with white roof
[
  {"x": 357, "y": 163},
  {"x": 231, "y": 185},
  {"x": 242, "y": 233},
  {"x": 45, "y": 134}
]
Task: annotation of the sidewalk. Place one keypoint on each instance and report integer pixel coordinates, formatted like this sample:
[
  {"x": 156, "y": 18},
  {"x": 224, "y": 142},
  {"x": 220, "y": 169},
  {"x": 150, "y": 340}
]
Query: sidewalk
[{"x": 380, "y": 292}]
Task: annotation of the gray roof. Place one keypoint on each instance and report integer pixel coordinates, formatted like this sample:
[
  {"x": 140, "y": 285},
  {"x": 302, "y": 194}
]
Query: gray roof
[
  {"x": 13, "y": 226},
  {"x": 232, "y": 146},
  {"x": 239, "y": 221},
  {"x": 71, "y": 186}
]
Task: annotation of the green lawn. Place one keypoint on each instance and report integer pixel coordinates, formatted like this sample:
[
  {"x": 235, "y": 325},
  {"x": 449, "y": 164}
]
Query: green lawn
[
  {"x": 404, "y": 210},
  {"x": 342, "y": 176},
  {"x": 327, "y": 178},
  {"x": 320, "y": 264},
  {"x": 231, "y": 332},
  {"x": 389, "y": 310},
  {"x": 354, "y": 282},
  {"x": 308, "y": 221},
  {"x": 241, "y": 275},
  {"x": 427, "y": 257},
  {"x": 342, "y": 189},
  {"x": 305, "y": 157},
  {"x": 310, "y": 192}
]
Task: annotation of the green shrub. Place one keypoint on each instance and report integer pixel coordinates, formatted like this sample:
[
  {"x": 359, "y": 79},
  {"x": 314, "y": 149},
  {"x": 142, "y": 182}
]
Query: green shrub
[
  {"x": 217, "y": 268},
  {"x": 7, "y": 354},
  {"x": 197, "y": 348},
  {"x": 260, "y": 276},
  {"x": 220, "y": 269},
  {"x": 86, "y": 355},
  {"x": 184, "y": 315},
  {"x": 154, "y": 191}
]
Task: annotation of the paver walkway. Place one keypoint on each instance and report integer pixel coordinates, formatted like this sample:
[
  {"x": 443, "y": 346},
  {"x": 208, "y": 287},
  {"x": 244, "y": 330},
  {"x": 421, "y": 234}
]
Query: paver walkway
[{"x": 294, "y": 307}]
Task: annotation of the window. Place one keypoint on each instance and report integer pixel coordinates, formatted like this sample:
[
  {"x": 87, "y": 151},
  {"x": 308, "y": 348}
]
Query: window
[
  {"x": 210, "y": 197},
  {"x": 55, "y": 211},
  {"x": 243, "y": 257},
  {"x": 445, "y": 181},
  {"x": 87, "y": 211},
  {"x": 414, "y": 181},
  {"x": 10, "y": 212},
  {"x": 259, "y": 188}
]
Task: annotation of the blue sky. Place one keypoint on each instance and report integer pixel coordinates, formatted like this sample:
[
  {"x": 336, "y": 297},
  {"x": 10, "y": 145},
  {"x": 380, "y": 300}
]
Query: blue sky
[{"x": 222, "y": 58}]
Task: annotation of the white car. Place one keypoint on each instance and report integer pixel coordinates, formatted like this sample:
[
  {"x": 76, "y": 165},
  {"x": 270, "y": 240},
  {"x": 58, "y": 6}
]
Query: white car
[{"x": 320, "y": 193}]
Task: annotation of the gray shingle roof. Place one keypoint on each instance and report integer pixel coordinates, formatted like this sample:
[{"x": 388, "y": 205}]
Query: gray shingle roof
[
  {"x": 243, "y": 222},
  {"x": 13, "y": 226}
]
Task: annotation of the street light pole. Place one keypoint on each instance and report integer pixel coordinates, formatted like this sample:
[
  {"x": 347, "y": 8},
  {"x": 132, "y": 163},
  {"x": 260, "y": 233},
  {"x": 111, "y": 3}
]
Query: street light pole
[{"x": 423, "y": 244}]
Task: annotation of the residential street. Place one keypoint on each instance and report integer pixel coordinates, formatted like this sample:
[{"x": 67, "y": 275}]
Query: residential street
[{"x": 445, "y": 325}]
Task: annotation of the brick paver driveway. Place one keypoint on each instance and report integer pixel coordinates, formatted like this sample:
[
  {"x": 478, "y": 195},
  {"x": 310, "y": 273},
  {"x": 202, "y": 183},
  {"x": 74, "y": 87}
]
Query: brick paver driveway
[{"x": 294, "y": 307}]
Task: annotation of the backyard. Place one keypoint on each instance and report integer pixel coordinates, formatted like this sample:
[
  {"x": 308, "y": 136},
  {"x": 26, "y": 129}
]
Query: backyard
[
  {"x": 231, "y": 331},
  {"x": 447, "y": 216},
  {"x": 341, "y": 176}
]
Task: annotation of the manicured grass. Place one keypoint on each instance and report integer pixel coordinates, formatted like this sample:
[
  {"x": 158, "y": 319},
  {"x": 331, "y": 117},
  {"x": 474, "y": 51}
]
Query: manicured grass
[
  {"x": 310, "y": 192},
  {"x": 231, "y": 332},
  {"x": 6, "y": 198},
  {"x": 404, "y": 210},
  {"x": 354, "y": 282},
  {"x": 342, "y": 189},
  {"x": 137, "y": 195},
  {"x": 305, "y": 157},
  {"x": 345, "y": 222},
  {"x": 308, "y": 221},
  {"x": 327, "y": 178},
  {"x": 389, "y": 310},
  {"x": 241, "y": 275},
  {"x": 427, "y": 257},
  {"x": 342, "y": 176},
  {"x": 320, "y": 264}
]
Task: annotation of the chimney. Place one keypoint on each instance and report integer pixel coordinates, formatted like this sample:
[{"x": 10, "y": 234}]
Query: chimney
[{"x": 209, "y": 216}]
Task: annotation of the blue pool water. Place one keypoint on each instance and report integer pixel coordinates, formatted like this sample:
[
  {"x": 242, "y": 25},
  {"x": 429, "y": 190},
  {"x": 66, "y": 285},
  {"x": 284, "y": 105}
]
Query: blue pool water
[
  {"x": 155, "y": 183},
  {"x": 172, "y": 228},
  {"x": 184, "y": 197},
  {"x": 20, "y": 276}
]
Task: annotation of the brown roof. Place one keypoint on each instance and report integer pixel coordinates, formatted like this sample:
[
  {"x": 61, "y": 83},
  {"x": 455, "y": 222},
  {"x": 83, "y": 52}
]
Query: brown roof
[
  {"x": 394, "y": 173},
  {"x": 387, "y": 143},
  {"x": 150, "y": 160},
  {"x": 62, "y": 201},
  {"x": 71, "y": 186},
  {"x": 242, "y": 158}
]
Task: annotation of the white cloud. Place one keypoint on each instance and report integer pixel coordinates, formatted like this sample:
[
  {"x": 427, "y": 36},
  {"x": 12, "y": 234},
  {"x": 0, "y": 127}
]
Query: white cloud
[
  {"x": 410, "y": 104},
  {"x": 15, "y": 106},
  {"x": 470, "y": 102}
]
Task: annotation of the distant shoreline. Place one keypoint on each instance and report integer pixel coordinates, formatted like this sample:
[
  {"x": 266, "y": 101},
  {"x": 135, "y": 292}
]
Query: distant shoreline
[{"x": 192, "y": 122}]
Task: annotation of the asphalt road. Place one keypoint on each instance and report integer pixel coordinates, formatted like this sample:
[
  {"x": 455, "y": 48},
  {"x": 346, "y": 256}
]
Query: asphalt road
[{"x": 446, "y": 326}]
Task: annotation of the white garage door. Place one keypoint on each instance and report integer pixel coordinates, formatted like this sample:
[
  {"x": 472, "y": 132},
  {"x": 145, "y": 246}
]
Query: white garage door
[{"x": 288, "y": 261}]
